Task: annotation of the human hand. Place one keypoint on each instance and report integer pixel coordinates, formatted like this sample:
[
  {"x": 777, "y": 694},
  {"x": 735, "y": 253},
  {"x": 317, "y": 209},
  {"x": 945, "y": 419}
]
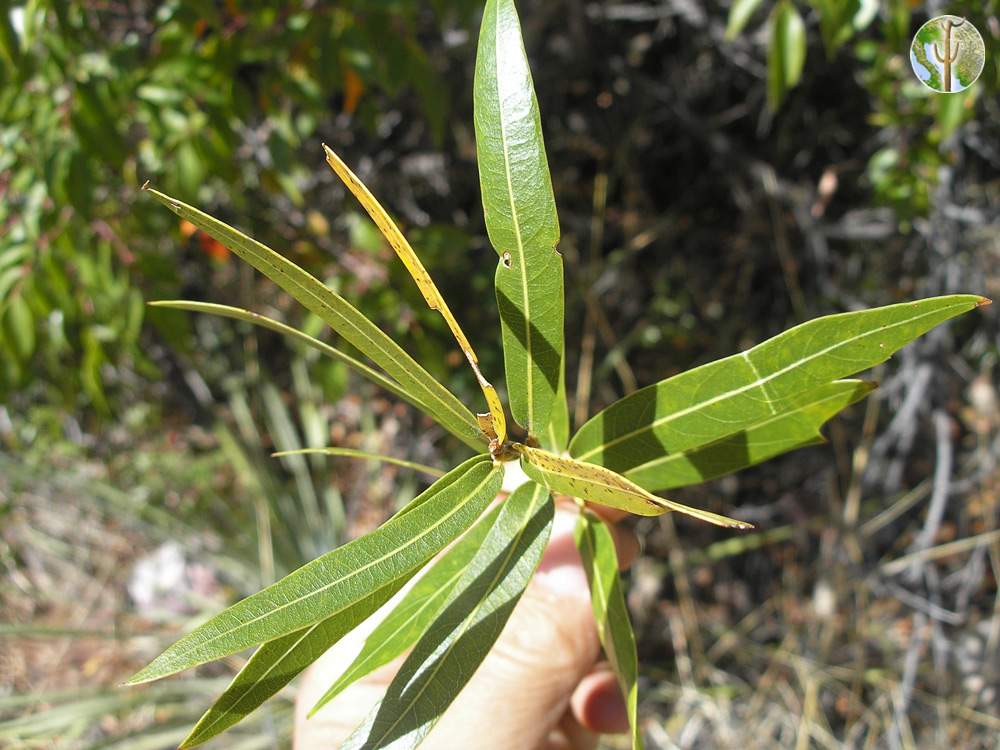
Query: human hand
[{"x": 539, "y": 688}]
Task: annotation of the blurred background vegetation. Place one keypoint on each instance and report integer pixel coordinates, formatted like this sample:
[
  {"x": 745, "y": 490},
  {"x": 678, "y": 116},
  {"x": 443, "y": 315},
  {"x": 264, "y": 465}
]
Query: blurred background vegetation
[{"x": 723, "y": 171}]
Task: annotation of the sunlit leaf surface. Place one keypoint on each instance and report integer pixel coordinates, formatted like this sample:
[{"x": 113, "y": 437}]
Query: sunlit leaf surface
[
  {"x": 460, "y": 637},
  {"x": 521, "y": 219},
  {"x": 724, "y": 397},
  {"x": 339, "y": 579},
  {"x": 600, "y": 562},
  {"x": 795, "y": 427}
]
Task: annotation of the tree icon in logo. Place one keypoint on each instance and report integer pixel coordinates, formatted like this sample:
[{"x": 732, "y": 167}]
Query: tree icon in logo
[{"x": 947, "y": 54}]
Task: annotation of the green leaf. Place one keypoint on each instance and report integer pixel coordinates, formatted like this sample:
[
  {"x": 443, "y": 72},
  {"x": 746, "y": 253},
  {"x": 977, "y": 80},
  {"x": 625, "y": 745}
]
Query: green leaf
[
  {"x": 739, "y": 13},
  {"x": 723, "y": 397},
  {"x": 248, "y": 316},
  {"x": 556, "y": 435},
  {"x": 770, "y": 436},
  {"x": 21, "y": 325},
  {"x": 604, "y": 487},
  {"x": 278, "y": 662},
  {"x": 339, "y": 579},
  {"x": 455, "y": 644},
  {"x": 521, "y": 219},
  {"x": 415, "y": 612},
  {"x": 343, "y": 317},
  {"x": 787, "y": 52},
  {"x": 600, "y": 562},
  {"x": 351, "y": 453}
]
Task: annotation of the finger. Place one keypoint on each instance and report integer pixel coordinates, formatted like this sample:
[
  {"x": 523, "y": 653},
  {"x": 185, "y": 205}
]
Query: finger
[
  {"x": 597, "y": 702},
  {"x": 569, "y": 735},
  {"x": 612, "y": 515},
  {"x": 626, "y": 543}
]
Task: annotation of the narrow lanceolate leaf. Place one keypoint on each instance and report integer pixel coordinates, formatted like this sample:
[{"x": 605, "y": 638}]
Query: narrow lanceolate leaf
[
  {"x": 786, "y": 53},
  {"x": 458, "y": 640},
  {"x": 739, "y": 13},
  {"x": 556, "y": 436},
  {"x": 415, "y": 612},
  {"x": 795, "y": 427},
  {"x": 600, "y": 562},
  {"x": 343, "y": 317},
  {"x": 364, "y": 455},
  {"x": 278, "y": 662},
  {"x": 424, "y": 282},
  {"x": 720, "y": 398},
  {"x": 248, "y": 316},
  {"x": 339, "y": 579},
  {"x": 521, "y": 219},
  {"x": 596, "y": 484}
]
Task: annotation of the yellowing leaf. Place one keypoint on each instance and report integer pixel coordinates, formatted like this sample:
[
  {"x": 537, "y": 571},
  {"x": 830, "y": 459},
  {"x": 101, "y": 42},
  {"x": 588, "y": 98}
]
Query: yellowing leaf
[
  {"x": 423, "y": 280},
  {"x": 602, "y": 486}
]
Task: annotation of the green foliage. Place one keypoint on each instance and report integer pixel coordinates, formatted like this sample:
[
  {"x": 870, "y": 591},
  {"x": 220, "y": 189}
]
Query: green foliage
[
  {"x": 771, "y": 435},
  {"x": 520, "y": 212},
  {"x": 90, "y": 106},
  {"x": 717, "y": 418},
  {"x": 729, "y": 395},
  {"x": 415, "y": 612},
  {"x": 914, "y": 121},
  {"x": 471, "y": 620},
  {"x": 343, "y": 318},
  {"x": 600, "y": 563},
  {"x": 787, "y": 53},
  {"x": 333, "y": 583}
]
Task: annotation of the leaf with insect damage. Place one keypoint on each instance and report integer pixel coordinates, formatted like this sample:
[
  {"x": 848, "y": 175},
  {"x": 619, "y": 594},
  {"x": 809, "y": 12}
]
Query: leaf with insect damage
[{"x": 596, "y": 484}]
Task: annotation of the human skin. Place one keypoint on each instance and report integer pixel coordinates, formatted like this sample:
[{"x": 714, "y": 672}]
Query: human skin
[{"x": 540, "y": 688}]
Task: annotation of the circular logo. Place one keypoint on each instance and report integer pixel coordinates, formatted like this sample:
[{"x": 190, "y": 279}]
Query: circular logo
[{"x": 947, "y": 54}]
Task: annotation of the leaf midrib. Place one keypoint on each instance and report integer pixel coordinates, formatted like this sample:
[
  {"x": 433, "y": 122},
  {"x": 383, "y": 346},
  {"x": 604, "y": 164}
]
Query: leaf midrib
[
  {"x": 670, "y": 457},
  {"x": 413, "y": 540},
  {"x": 247, "y": 244},
  {"x": 530, "y": 394},
  {"x": 511, "y": 548},
  {"x": 205, "y": 729},
  {"x": 759, "y": 382},
  {"x": 442, "y": 590}
]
